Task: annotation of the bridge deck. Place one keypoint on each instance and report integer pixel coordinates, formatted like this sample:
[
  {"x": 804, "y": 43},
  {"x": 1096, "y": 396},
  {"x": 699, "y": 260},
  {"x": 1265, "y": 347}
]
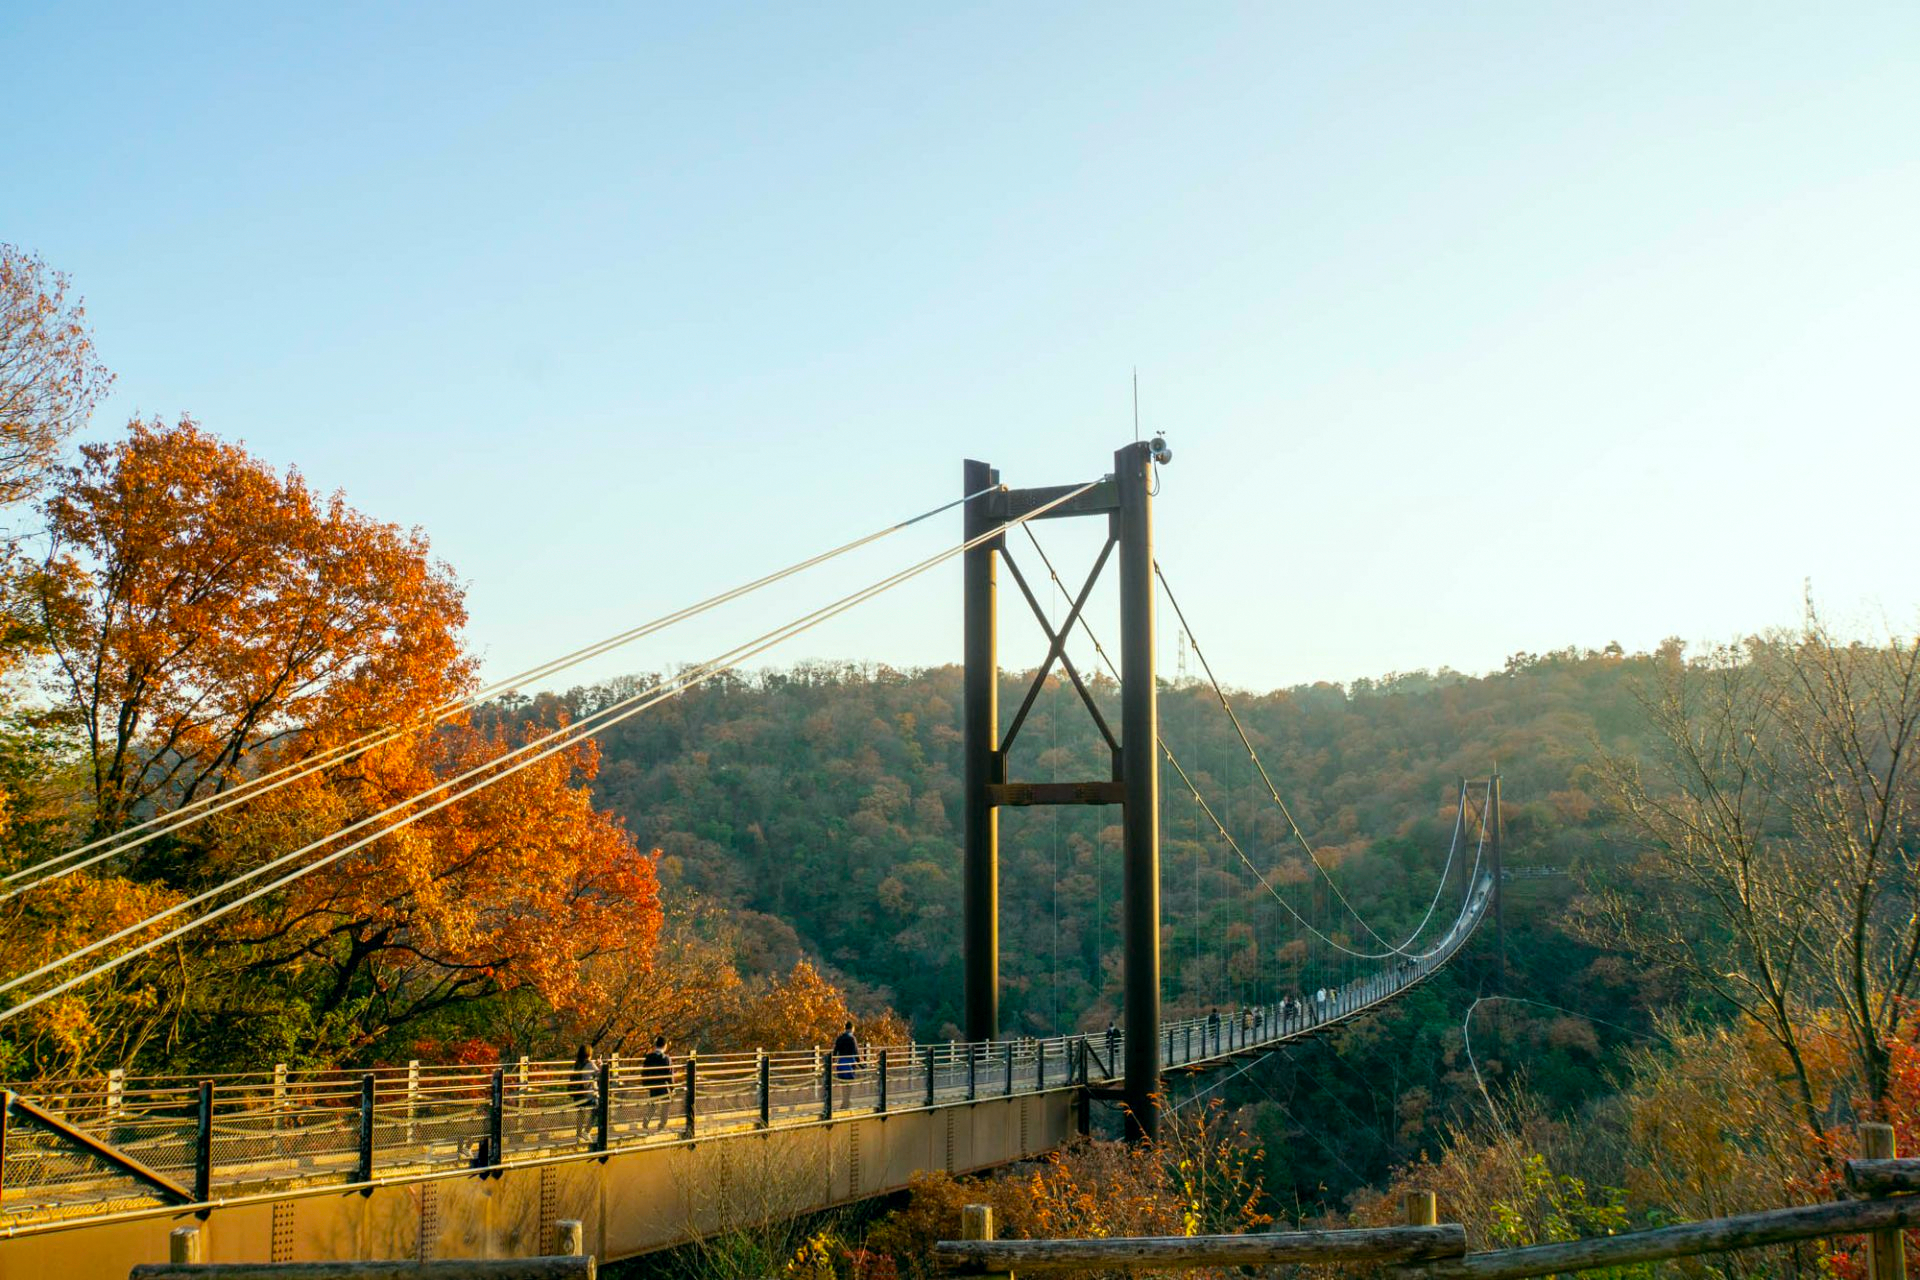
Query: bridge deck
[{"x": 287, "y": 1150}]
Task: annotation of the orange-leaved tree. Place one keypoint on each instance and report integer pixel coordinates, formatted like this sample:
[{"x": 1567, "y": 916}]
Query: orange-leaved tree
[
  {"x": 1202, "y": 1178},
  {"x": 806, "y": 1008},
  {"x": 522, "y": 886},
  {"x": 205, "y": 620},
  {"x": 199, "y": 606}
]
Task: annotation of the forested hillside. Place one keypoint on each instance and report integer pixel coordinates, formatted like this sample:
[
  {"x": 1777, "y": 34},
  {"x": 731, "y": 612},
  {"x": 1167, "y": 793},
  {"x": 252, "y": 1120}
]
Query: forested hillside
[{"x": 827, "y": 797}]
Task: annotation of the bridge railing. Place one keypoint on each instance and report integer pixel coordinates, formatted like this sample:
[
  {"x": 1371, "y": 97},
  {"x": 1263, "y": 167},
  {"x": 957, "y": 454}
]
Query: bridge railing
[{"x": 214, "y": 1132}]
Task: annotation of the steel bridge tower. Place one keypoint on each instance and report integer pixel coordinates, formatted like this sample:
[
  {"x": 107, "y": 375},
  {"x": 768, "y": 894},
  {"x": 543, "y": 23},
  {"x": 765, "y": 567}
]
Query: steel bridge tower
[{"x": 1125, "y": 499}]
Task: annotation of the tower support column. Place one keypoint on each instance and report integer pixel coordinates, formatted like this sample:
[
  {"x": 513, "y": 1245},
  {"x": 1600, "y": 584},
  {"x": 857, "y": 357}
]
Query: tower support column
[
  {"x": 980, "y": 869},
  {"x": 1139, "y": 768}
]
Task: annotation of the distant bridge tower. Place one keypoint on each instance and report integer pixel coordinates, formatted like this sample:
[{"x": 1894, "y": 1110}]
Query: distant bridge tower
[
  {"x": 1125, "y": 499},
  {"x": 1499, "y": 889}
]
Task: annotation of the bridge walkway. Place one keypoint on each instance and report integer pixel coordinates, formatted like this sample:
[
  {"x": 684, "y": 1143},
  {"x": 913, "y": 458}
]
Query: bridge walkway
[{"x": 371, "y": 1165}]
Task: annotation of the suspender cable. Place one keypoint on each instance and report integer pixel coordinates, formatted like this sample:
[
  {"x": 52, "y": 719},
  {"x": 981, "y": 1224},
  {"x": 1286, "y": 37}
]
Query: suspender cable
[
  {"x": 1392, "y": 950},
  {"x": 1402, "y": 950},
  {"x": 1293, "y": 828},
  {"x": 533, "y": 752},
  {"x": 195, "y": 811}
]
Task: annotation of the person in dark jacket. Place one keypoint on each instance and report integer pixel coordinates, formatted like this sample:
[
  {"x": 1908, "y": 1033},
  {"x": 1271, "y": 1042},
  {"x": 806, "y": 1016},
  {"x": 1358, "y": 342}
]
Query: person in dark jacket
[
  {"x": 846, "y": 1055},
  {"x": 656, "y": 1073}
]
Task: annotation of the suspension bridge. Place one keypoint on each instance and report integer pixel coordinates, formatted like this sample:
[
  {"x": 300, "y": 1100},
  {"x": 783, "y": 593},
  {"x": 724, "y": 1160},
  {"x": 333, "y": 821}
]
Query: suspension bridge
[{"x": 427, "y": 1161}]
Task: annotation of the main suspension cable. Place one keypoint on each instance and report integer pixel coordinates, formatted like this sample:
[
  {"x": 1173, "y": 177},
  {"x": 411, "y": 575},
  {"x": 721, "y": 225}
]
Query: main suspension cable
[
  {"x": 133, "y": 837},
  {"x": 550, "y": 744}
]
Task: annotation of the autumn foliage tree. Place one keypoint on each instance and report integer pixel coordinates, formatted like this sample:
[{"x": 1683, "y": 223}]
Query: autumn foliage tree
[
  {"x": 200, "y": 607},
  {"x": 207, "y": 620},
  {"x": 1202, "y": 1178},
  {"x": 522, "y": 887},
  {"x": 804, "y": 1008},
  {"x": 50, "y": 377},
  {"x": 1777, "y": 809}
]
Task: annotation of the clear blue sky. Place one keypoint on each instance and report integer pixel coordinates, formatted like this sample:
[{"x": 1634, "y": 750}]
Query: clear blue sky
[{"x": 1474, "y": 328}]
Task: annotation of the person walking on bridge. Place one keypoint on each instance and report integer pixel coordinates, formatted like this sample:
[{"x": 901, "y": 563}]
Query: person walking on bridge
[
  {"x": 585, "y": 1083},
  {"x": 656, "y": 1072},
  {"x": 846, "y": 1054}
]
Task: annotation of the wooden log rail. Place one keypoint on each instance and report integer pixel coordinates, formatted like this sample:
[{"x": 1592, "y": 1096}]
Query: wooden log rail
[
  {"x": 1719, "y": 1235},
  {"x": 1423, "y": 1251},
  {"x": 444, "y": 1269},
  {"x": 1882, "y": 1177},
  {"x": 1147, "y": 1253}
]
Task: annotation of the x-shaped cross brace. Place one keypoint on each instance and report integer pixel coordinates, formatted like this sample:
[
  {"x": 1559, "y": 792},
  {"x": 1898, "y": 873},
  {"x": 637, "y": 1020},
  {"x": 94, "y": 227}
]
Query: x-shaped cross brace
[{"x": 1057, "y": 652}]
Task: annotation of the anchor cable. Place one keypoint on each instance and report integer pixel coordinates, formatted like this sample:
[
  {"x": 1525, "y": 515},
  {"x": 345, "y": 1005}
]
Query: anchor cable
[{"x": 153, "y": 828}]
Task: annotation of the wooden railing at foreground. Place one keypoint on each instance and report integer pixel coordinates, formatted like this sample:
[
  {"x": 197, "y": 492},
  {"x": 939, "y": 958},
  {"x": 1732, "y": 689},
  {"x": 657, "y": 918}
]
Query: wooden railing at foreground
[
  {"x": 184, "y": 1250},
  {"x": 1425, "y": 1249},
  {"x": 442, "y": 1269}
]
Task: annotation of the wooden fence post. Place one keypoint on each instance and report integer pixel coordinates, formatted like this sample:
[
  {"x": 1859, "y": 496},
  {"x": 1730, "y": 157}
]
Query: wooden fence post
[
  {"x": 976, "y": 1223},
  {"x": 413, "y": 1095},
  {"x": 569, "y": 1238},
  {"x": 279, "y": 1107},
  {"x": 1886, "y": 1252},
  {"x": 183, "y": 1245},
  {"x": 1423, "y": 1209}
]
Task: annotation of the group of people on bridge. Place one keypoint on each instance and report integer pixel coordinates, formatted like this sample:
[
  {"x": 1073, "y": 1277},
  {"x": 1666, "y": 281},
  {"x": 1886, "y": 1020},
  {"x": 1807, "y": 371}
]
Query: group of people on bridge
[
  {"x": 1291, "y": 1012},
  {"x": 656, "y": 1078}
]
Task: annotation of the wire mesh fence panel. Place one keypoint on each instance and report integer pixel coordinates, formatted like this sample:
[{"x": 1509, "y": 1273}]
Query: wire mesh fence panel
[
  {"x": 45, "y": 1172},
  {"x": 729, "y": 1089}
]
